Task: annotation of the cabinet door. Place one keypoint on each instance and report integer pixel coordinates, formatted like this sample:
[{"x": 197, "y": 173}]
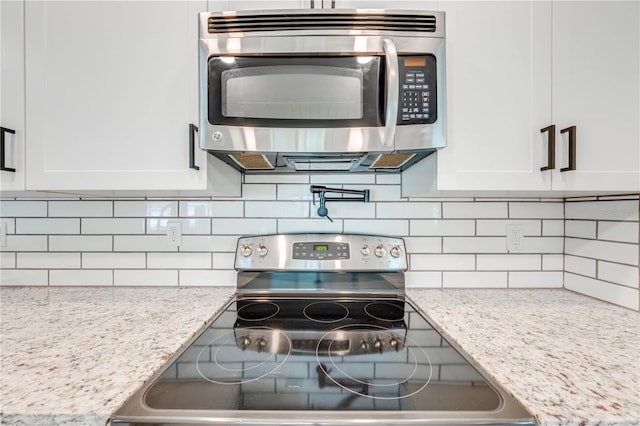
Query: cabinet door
[
  {"x": 498, "y": 95},
  {"x": 12, "y": 93},
  {"x": 596, "y": 75},
  {"x": 111, "y": 90}
]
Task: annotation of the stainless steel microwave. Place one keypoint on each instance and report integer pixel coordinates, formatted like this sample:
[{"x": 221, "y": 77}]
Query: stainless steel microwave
[{"x": 322, "y": 90}]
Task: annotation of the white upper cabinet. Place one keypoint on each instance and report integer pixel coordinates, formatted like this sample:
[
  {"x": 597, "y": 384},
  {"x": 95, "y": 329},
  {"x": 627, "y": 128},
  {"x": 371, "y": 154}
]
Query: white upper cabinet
[
  {"x": 111, "y": 93},
  {"x": 498, "y": 95},
  {"x": 596, "y": 88},
  {"x": 12, "y": 175}
]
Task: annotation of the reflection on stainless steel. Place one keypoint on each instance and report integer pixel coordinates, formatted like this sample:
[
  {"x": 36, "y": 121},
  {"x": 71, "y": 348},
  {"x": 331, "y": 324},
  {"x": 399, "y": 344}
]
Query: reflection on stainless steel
[{"x": 327, "y": 358}]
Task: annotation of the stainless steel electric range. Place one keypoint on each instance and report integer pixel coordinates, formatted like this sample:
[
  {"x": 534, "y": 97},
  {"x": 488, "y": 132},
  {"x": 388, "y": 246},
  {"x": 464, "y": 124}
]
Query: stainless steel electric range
[{"x": 320, "y": 333}]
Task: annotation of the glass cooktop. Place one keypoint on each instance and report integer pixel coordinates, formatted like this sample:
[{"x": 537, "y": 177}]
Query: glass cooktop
[{"x": 321, "y": 354}]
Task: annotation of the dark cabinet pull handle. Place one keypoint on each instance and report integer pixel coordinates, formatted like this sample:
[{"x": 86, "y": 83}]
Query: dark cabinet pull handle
[
  {"x": 551, "y": 147},
  {"x": 192, "y": 146},
  {"x": 3, "y": 167},
  {"x": 572, "y": 148}
]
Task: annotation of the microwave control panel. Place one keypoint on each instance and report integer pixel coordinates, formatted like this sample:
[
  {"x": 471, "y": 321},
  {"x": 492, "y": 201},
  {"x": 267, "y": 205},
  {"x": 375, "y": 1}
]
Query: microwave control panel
[{"x": 418, "y": 101}]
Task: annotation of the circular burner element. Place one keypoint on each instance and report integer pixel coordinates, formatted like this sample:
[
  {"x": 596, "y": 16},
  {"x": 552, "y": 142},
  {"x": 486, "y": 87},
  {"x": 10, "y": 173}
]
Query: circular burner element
[
  {"x": 409, "y": 368},
  {"x": 226, "y": 361},
  {"x": 258, "y": 311},
  {"x": 326, "y": 312},
  {"x": 385, "y": 311}
]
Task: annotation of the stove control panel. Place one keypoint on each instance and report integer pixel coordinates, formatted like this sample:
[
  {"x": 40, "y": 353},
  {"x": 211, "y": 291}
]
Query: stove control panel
[{"x": 320, "y": 252}]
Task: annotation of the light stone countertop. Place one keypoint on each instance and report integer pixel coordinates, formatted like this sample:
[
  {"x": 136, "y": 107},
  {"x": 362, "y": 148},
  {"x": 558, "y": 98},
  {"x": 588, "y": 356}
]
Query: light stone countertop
[{"x": 73, "y": 355}]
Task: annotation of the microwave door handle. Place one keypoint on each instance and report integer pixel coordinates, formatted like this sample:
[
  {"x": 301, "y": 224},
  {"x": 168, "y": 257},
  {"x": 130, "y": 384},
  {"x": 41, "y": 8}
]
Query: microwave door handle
[{"x": 391, "y": 58}]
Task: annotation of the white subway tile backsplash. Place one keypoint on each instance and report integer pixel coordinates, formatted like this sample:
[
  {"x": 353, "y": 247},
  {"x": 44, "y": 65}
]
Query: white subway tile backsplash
[
  {"x": 442, "y": 262},
  {"x": 74, "y": 277},
  {"x": 44, "y": 226},
  {"x": 535, "y": 279},
  {"x": 474, "y": 279},
  {"x": 189, "y": 226},
  {"x": 80, "y": 209},
  {"x": 111, "y": 226},
  {"x": 377, "y": 226},
  {"x": 509, "y": 262},
  {"x": 26, "y": 277},
  {"x": 144, "y": 243},
  {"x": 15, "y": 208},
  {"x": 619, "y": 274},
  {"x": 410, "y": 211},
  {"x": 552, "y": 262},
  {"x": 7, "y": 260},
  {"x": 193, "y": 209},
  {"x": 476, "y": 210},
  {"x": 474, "y": 244},
  {"x": 276, "y": 209},
  {"x": 343, "y": 179},
  {"x": 80, "y": 243},
  {"x": 178, "y": 260},
  {"x": 289, "y": 192},
  {"x": 491, "y": 227},
  {"x": 423, "y": 244},
  {"x": 259, "y": 191},
  {"x": 603, "y": 210},
  {"x": 208, "y": 243},
  {"x": 213, "y": 278},
  {"x": 114, "y": 261},
  {"x": 553, "y": 228},
  {"x": 48, "y": 260},
  {"x": 309, "y": 225},
  {"x": 423, "y": 279},
  {"x": 26, "y": 243},
  {"x": 441, "y": 227},
  {"x": 580, "y": 265},
  {"x": 613, "y": 293},
  {"x": 451, "y": 242},
  {"x": 388, "y": 179},
  {"x": 276, "y": 178},
  {"x": 244, "y": 226},
  {"x": 145, "y": 277},
  {"x": 224, "y": 260},
  {"x": 536, "y": 210},
  {"x": 605, "y": 250},
  {"x": 145, "y": 208},
  {"x": 618, "y": 231},
  {"x": 580, "y": 228}
]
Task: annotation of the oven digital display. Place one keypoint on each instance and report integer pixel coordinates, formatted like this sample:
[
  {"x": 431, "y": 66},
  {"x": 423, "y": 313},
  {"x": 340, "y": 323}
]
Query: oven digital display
[
  {"x": 320, "y": 247},
  {"x": 316, "y": 250}
]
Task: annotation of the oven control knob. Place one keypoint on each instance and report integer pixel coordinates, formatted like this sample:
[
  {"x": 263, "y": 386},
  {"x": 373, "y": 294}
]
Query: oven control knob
[
  {"x": 244, "y": 342},
  {"x": 378, "y": 345},
  {"x": 380, "y": 251},
  {"x": 245, "y": 250},
  {"x": 395, "y": 344},
  {"x": 262, "y": 250},
  {"x": 261, "y": 343},
  {"x": 365, "y": 250},
  {"x": 395, "y": 252},
  {"x": 365, "y": 346}
]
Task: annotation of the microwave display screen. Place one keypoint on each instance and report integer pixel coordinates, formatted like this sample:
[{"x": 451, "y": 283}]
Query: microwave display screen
[
  {"x": 293, "y": 92},
  {"x": 414, "y": 62}
]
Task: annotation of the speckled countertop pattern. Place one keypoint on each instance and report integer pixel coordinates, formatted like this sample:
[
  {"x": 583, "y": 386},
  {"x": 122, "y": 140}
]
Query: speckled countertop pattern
[
  {"x": 570, "y": 359},
  {"x": 73, "y": 355}
]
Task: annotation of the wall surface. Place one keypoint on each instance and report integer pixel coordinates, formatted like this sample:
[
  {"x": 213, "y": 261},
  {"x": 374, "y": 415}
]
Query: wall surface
[{"x": 452, "y": 242}]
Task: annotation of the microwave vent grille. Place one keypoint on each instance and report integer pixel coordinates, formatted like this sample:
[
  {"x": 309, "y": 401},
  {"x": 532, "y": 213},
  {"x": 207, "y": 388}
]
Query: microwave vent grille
[{"x": 321, "y": 21}]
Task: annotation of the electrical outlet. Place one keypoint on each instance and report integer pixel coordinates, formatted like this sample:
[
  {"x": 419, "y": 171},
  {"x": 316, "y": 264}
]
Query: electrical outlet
[
  {"x": 174, "y": 233},
  {"x": 515, "y": 237},
  {"x": 3, "y": 234}
]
